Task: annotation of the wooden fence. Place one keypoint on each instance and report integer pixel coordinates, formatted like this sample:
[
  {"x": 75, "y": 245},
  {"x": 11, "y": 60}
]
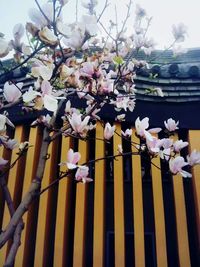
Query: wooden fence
[{"x": 131, "y": 215}]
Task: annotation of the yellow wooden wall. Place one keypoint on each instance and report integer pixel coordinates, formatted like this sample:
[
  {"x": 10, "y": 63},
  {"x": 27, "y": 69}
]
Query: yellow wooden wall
[{"x": 56, "y": 225}]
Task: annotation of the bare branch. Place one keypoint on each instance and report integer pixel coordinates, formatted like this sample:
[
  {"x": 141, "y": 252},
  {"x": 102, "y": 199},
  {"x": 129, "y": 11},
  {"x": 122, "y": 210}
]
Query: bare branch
[{"x": 103, "y": 10}]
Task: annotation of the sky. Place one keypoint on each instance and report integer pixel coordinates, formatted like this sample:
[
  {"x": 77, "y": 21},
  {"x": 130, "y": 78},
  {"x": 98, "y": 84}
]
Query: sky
[{"x": 165, "y": 13}]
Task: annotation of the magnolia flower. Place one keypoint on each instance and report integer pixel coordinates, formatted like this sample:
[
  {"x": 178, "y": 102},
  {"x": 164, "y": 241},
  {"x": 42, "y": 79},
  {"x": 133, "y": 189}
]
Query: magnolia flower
[
  {"x": 3, "y": 162},
  {"x": 179, "y": 31},
  {"x": 127, "y": 133},
  {"x": 42, "y": 119},
  {"x": 4, "y": 48},
  {"x": 79, "y": 126},
  {"x": 3, "y": 121},
  {"x": 42, "y": 71},
  {"x": 38, "y": 18},
  {"x": 75, "y": 40},
  {"x": 50, "y": 103},
  {"x": 46, "y": 88},
  {"x": 165, "y": 153},
  {"x": 12, "y": 92},
  {"x": 176, "y": 165},
  {"x": 90, "y": 24},
  {"x": 142, "y": 125},
  {"x": 18, "y": 32},
  {"x": 167, "y": 143},
  {"x": 119, "y": 149},
  {"x": 11, "y": 144},
  {"x": 72, "y": 159},
  {"x": 154, "y": 145},
  {"x": 120, "y": 117},
  {"x": 68, "y": 107},
  {"x": 26, "y": 50},
  {"x": 63, "y": 28},
  {"x": 179, "y": 144},
  {"x": 65, "y": 72},
  {"x": 30, "y": 95},
  {"x": 23, "y": 146},
  {"x": 48, "y": 37},
  {"x": 109, "y": 131},
  {"x": 171, "y": 125},
  {"x": 82, "y": 174},
  {"x": 106, "y": 86},
  {"x": 193, "y": 158}
]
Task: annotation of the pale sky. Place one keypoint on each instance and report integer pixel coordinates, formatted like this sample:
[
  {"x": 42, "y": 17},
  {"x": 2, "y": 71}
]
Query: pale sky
[{"x": 165, "y": 13}]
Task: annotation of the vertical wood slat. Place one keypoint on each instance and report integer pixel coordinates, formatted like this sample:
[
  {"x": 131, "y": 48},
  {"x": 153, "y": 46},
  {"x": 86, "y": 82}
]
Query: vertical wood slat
[
  {"x": 13, "y": 188},
  {"x": 138, "y": 206},
  {"x": 44, "y": 219},
  {"x": 160, "y": 231},
  {"x": 30, "y": 169},
  {"x": 194, "y": 141},
  {"x": 61, "y": 249},
  {"x": 119, "y": 225},
  {"x": 99, "y": 201},
  {"x": 80, "y": 214},
  {"x": 181, "y": 220}
]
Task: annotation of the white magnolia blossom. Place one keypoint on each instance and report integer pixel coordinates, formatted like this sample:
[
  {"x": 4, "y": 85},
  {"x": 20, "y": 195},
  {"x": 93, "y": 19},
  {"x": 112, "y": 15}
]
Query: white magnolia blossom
[
  {"x": 43, "y": 71},
  {"x": 50, "y": 103},
  {"x": 18, "y": 31},
  {"x": 171, "y": 125},
  {"x": 79, "y": 126},
  {"x": 30, "y": 95},
  {"x": 176, "y": 165},
  {"x": 90, "y": 24},
  {"x": 38, "y": 18},
  {"x": 3, "y": 121},
  {"x": 63, "y": 28},
  {"x": 193, "y": 158},
  {"x": 47, "y": 36},
  {"x": 109, "y": 131},
  {"x": 12, "y": 92}
]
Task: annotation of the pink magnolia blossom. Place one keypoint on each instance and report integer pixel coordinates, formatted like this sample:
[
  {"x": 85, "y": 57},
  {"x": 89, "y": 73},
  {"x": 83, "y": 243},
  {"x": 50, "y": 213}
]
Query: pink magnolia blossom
[
  {"x": 193, "y": 158},
  {"x": 171, "y": 125},
  {"x": 18, "y": 32},
  {"x": 176, "y": 165},
  {"x": 154, "y": 145},
  {"x": 167, "y": 143},
  {"x": 38, "y": 18},
  {"x": 82, "y": 174},
  {"x": 179, "y": 144},
  {"x": 142, "y": 125},
  {"x": 127, "y": 133},
  {"x": 165, "y": 153},
  {"x": 12, "y": 92},
  {"x": 79, "y": 126},
  {"x": 109, "y": 131},
  {"x": 72, "y": 159},
  {"x": 46, "y": 88}
]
